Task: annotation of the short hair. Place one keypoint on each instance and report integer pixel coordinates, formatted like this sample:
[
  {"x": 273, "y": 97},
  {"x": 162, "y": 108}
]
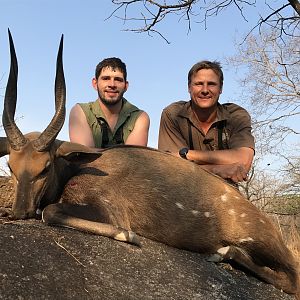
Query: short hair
[
  {"x": 112, "y": 62},
  {"x": 205, "y": 64}
]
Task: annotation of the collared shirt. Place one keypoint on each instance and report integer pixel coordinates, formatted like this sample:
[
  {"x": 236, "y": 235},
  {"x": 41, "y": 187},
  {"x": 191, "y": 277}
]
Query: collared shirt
[{"x": 179, "y": 128}]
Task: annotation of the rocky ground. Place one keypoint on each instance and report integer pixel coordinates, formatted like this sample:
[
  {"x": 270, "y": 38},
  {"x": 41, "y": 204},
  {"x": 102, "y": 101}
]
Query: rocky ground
[
  {"x": 43, "y": 262},
  {"x": 6, "y": 193}
]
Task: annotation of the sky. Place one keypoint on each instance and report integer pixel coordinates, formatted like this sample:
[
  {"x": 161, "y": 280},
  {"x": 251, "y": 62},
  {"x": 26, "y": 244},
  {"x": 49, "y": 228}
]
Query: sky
[{"x": 157, "y": 71}]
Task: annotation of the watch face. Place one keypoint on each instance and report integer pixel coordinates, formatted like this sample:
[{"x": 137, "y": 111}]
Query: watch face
[{"x": 183, "y": 152}]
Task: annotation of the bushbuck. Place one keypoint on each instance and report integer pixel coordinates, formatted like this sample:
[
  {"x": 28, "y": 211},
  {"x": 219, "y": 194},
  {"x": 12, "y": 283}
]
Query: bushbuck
[{"x": 126, "y": 191}]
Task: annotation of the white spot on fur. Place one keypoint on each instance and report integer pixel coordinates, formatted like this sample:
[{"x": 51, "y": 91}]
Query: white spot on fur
[
  {"x": 224, "y": 198},
  {"x": 195, "y": 212},
  {"x": 121, "y": 237},
  {"x": 179, "y": 205},
  {"x": 236, "y": 197},
  {"x": 223, "y": 250},
  {"x": 227, "y": 189},
  {"x": 247, "y": 223},
  {"x": 243, "y": 215},
  {"x": 207, "y": 214},
  {"x": 43, "y": 220},
  {"x": 248, "y": 239},
  {"x": 231, "y": 211},
  {"x": 262, "y": 221}
]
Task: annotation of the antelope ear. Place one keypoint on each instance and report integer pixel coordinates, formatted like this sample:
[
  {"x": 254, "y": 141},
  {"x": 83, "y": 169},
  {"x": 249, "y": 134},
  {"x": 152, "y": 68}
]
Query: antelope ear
[
  {"x": 76, "y": 153},
  {"x": 4, "y": 146}
]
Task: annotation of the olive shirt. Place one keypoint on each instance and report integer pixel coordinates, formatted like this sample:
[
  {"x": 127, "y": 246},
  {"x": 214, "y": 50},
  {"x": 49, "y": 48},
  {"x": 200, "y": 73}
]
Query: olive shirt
[
  {"x": 179, "y": 128},
  {"x": 102, "y": 134}
]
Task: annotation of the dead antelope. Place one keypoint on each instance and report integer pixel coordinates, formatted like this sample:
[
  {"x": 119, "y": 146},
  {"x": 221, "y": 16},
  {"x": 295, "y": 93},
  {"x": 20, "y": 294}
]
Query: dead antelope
[{"x": 127, "y": 190}]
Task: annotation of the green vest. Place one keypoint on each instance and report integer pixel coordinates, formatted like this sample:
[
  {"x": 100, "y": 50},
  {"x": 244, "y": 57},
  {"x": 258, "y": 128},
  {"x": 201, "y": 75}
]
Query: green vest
[{"x": 97, "y": 122}]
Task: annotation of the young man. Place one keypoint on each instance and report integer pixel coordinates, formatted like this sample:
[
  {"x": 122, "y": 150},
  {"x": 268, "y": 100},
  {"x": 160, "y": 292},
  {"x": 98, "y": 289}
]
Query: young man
[
  {"x": 111, "y": 119},
  {"x": 216, "y": 136}
]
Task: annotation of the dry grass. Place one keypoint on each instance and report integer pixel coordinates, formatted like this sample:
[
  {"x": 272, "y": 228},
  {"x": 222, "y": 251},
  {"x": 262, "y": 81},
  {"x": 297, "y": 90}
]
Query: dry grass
[
  {"x": 289, "y": 229},
  {"x": 293, "y": 241},
  {"x": 4, "y": 171}
]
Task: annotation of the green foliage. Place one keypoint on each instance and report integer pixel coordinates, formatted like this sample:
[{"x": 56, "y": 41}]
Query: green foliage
[{"x": 285, "y": 205}]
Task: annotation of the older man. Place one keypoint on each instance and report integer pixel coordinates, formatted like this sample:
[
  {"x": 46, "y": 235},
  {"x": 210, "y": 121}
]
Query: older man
[{"x": 216, "y": 136}]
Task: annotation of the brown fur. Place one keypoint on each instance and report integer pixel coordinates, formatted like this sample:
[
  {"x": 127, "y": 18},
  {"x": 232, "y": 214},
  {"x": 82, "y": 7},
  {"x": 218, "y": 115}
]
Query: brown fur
[{"x": 157, "y": 196}]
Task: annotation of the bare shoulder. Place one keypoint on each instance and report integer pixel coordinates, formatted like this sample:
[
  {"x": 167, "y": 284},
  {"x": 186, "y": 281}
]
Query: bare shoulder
[
  {"x": 143, "y": 121},
  {"x": 144, "y": 118},
  {"x": 76, "y": 109},
  {"x": 77, "y": 120},
  {"x": 76, "y": 112}
]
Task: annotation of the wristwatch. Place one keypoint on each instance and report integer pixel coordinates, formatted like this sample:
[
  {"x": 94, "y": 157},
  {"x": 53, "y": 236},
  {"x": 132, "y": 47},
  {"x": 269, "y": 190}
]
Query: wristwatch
[{"x": 183, "y": 152}]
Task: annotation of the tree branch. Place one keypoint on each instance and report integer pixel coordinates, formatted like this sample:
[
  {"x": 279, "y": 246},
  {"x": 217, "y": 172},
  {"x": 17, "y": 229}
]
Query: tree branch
[{"x": 155, "y": 11}]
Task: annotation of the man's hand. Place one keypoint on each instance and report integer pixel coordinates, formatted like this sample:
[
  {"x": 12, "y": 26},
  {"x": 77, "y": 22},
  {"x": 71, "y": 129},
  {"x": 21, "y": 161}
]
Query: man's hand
[{"x": 235, "y": 172}]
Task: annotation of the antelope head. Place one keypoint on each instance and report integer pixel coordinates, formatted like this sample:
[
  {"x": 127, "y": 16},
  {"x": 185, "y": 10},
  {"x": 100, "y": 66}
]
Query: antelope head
[
  {"x": 39, "y": 163},
  {"x": 31, "y": 156}
]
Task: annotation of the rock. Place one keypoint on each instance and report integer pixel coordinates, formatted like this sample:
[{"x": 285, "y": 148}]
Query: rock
[
  {"x": 6, "y": 191},
  {"x": 42, "y": 262}
]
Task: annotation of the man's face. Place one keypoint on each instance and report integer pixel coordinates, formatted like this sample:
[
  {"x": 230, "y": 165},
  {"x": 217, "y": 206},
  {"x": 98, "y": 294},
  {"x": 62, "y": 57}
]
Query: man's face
[
  {"x": 110, "y": 86},
  {"x": 205, "y": 88}
]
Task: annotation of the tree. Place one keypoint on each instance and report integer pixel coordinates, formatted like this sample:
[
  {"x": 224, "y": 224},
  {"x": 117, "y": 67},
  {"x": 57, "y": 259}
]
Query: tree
[
  {"x": 285, "y": 17},
  {"x": 271, "y": 87},
  {"x": 292, "y": 171}
]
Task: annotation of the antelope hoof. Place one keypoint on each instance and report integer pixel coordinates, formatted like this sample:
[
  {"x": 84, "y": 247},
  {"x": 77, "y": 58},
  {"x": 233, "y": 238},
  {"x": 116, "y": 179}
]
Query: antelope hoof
[
  {"x": 133, "y": 238},
  {"x": 216, "y": 258},
  {"x": 129, "y": 237},
  {"x": 220, "y": 255}
]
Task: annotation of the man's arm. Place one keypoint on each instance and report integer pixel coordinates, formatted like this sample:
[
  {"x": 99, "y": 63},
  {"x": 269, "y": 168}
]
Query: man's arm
[
  {"x": 242, "y": 155},
  {"x": 231, "y": 164},
  {"x": 139, "y": 134},
  {"x": 170, "y": 138},
  {"x": 79, "y": 129}
]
